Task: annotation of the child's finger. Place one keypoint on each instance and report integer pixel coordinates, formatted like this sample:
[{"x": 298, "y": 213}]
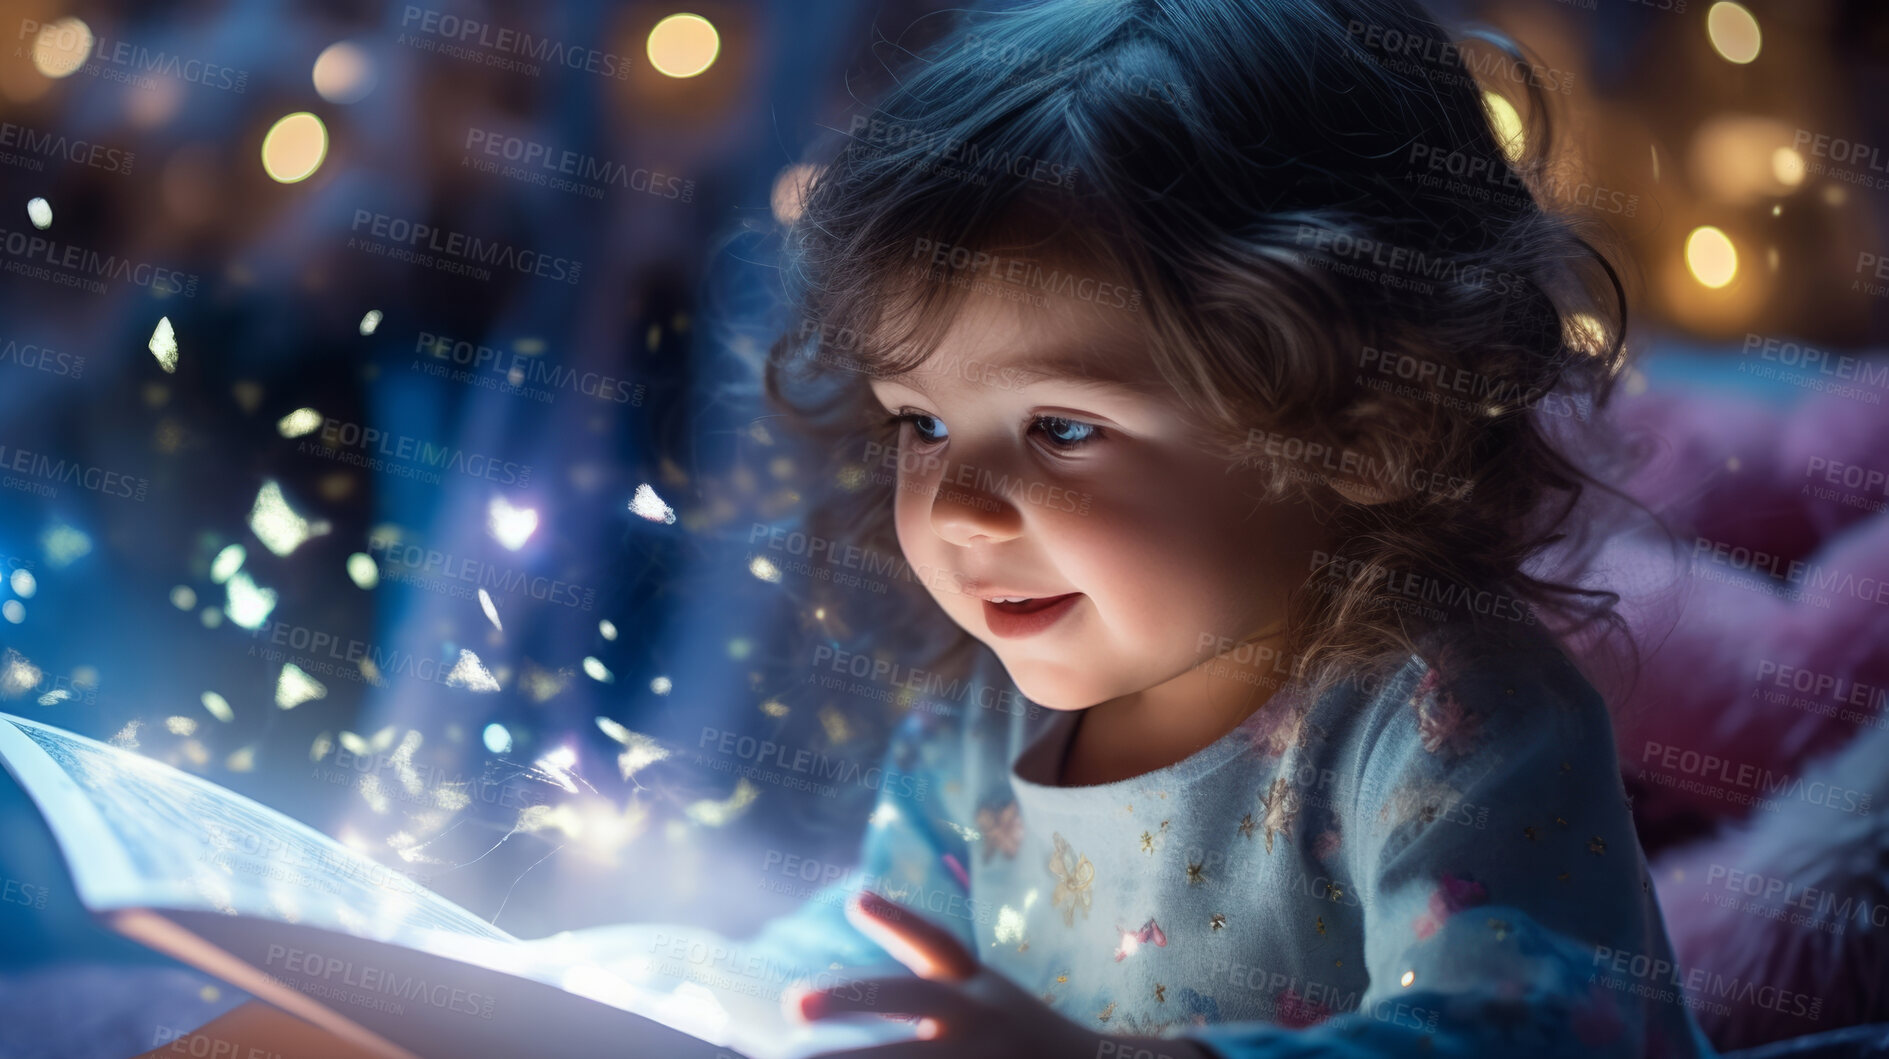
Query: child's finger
[
  {"x": 939, "y": 1002},
  {"x": 928, "y": 949}
]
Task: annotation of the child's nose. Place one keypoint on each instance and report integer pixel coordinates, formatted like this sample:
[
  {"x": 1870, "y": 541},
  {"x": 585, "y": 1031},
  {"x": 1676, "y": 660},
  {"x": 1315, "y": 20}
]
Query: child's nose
[{"x": 963, "y": 514}]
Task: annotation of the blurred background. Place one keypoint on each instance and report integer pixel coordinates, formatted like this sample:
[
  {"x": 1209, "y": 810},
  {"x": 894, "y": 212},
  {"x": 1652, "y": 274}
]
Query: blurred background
[{"x": 379, "y": 425}]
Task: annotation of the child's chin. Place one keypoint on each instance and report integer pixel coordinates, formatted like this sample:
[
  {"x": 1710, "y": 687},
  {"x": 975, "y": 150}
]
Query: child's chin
[{"x": 1054, "y": 691}]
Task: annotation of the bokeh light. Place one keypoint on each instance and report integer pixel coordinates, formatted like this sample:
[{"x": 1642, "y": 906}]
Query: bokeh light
[
  {"x": 683, "y": 45},
  {"x": 1507, "y": 123},
  {"x": 62, "y": 47},
  {"x": 1734, "y": 32},
  {"x": 344, "y": 73},
  {"x": 1711, "y": 256},
  {"x": 294, "y": 147}
]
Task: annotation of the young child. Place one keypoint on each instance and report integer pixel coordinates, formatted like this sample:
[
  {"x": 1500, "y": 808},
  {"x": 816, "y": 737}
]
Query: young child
[{"x": 1212, "y": 365}]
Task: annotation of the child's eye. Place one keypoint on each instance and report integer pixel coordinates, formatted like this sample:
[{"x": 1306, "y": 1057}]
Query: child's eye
[
  {"x": 1066, "y": 433},
  {"x": 929, "y": 428}
]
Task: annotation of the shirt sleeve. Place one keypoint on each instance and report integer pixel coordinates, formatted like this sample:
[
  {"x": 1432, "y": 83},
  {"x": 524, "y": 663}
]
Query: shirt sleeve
[
  {"x": 1505, "y": 896},
  {"x": 911, "y": 852}
]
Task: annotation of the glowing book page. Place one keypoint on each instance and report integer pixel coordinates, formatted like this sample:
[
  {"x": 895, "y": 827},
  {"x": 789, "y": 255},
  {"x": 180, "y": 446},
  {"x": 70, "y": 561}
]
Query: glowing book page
[{"x": 139, "y": 834}]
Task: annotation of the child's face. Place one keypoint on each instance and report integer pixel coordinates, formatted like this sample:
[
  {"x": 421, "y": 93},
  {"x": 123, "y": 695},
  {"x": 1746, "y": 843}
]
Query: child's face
[{"x": 1019, "y": 479}]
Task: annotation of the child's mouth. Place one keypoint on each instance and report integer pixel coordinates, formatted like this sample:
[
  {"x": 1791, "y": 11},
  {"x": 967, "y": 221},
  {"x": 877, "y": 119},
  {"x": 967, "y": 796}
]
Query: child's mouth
[{"x": 1010, "y": 617}]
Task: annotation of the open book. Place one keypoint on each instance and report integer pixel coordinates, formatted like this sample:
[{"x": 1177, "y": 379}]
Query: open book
[{"x": 281, "y": 911}]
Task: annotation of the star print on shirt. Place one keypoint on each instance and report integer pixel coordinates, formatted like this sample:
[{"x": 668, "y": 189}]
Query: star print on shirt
[
  {"x": 1282, "y": 807},
  {"x": 1074, "y": 875},
  {"x": 1002, "y": 830}
]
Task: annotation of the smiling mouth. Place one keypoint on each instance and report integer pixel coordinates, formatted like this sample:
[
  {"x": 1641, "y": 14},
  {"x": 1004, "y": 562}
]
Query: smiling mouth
[{"x": 1015, "y": 605}]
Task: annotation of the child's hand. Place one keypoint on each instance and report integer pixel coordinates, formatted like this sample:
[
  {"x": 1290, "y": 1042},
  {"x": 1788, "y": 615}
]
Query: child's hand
[{"x": 962, "y": 1008}]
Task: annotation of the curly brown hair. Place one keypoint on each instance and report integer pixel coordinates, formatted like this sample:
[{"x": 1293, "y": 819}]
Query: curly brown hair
[{"x": 1339, "y": 264}]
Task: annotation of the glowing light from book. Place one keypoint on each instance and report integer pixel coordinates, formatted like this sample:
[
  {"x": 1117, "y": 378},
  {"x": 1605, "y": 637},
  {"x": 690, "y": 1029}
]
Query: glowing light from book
[
  {"x": 640, "y": 751},
  {"x": 497, "y": 739},
  {"x": 1409, "y": 977},
  {"x": 370, "y": 322},
  {"x": 343, "y": 73},
  {"x": 294, "y": 147},
  {"x": 597, "y": 671},
  {"x": 510, "y": 526},
  {"x": 607, "y": 628},
  {"x": 218, "y": 706},
  {"x": 711, "y": 813},
  {"x": 320, "y": 747},
  {"x": 763, "y": 568},
  {"x": 1711, "y": 256},
  {"x": 54, "y": 697},
  {"x": 24, "y": 583},
  {"x": 1734, "y": 32},
  {"x": 661, "y": 685},
  {"x": 13, "y": 611},
  {"x": 774, "y": 708},
  {"x": 39, "y": 211},
  {"x": 62, "y": 47},
  {"x": 299, "y": 422},
  {"x": 17, "y": 675},
  {"x": 1510, "y": 134},
  {"x": 683, "y": 45},
  {"x": 362, "y": 570},
  {"x": 227, "y": 562},
  {"x": 242, "y": 759},
  {"x": 163, "y": 345},
  {"x": 491, "y": 611},
  {"x": 650, "y": 506},
  {"x": 557, "y": 764},
  {"x": 471, "y": 674},
  {"x": 180, "y": 725},
  {"x": 277, "y": 525},
  {"x": 294, "y": 687},
  {"x": 249, "y": 604}
]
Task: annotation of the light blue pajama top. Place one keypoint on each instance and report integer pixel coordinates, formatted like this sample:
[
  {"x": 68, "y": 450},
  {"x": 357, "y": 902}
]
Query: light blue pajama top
[{"x": 1386, "y": 871}]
